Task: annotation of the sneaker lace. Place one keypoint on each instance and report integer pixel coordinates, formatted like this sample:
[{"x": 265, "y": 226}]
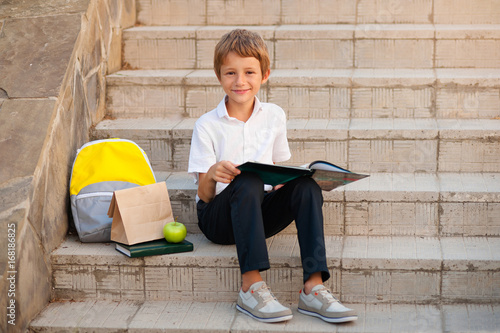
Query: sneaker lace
[
  {"x": 265, "y": 293},
  {"x": 326, "y": 294}
]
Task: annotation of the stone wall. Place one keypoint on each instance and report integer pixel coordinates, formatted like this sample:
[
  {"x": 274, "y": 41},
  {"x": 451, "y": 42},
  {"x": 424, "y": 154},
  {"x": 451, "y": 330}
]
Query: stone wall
[{"x": 54, "y": 56}]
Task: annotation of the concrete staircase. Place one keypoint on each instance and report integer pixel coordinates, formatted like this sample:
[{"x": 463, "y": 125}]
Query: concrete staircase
[{"x": 407, "y": 91}]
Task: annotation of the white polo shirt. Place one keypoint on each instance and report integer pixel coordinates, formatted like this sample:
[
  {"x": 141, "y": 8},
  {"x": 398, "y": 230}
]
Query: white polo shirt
[{"x": 217, "y": 137}]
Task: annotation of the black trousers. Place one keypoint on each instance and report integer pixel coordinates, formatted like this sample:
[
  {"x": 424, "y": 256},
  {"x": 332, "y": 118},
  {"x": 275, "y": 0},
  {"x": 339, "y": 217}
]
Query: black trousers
[{"x": 245, "y": 215}]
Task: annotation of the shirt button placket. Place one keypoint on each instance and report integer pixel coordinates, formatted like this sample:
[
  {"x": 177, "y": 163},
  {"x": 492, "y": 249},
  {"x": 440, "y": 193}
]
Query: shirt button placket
[{"x": 245, "y": 143}]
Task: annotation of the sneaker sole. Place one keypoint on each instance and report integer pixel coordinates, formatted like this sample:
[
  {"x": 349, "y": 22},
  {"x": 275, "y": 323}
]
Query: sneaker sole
[
  {"x": 264, "y": 320},
  {"x": 328, "y": 319}
]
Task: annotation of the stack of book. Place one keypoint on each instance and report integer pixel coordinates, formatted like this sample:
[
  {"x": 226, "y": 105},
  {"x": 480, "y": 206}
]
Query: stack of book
[{"x": 156, "y": 247}]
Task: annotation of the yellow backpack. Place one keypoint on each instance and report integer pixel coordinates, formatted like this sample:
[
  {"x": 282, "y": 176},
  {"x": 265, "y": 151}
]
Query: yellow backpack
[{"x": 100, "y": 168}]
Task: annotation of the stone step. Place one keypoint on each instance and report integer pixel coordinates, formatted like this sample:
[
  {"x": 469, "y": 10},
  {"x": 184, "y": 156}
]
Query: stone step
[
  {"x": 430, "y": 205},
  {"x": 322, "y": 46},
  {"x": 280, "y": 12},
  {"x": 185, "y": 316},
  {"x": 329, "y": 94},
  {"x": 364, "y": 269},
  {"x": 361, "y": 145}
]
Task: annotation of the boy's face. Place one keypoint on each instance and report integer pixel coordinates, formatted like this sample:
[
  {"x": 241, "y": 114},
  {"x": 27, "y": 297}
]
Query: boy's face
[{"x": 241, "y": 79}]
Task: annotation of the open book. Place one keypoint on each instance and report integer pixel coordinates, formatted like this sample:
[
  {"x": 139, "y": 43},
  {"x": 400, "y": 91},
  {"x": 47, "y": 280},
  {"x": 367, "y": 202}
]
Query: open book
[{"x": 327, "y": 175}]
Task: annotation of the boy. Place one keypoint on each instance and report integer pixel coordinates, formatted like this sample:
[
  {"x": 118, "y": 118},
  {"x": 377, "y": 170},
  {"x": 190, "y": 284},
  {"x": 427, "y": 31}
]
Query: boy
[{"x": 237, "y": 208}]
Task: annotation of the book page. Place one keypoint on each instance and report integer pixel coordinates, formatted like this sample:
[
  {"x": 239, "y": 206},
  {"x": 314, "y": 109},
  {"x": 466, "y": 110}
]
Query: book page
[{"x": 323, "y": 165}]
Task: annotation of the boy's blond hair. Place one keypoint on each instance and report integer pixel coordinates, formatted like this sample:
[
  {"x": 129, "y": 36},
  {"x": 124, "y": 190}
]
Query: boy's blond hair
[{"x": 245, "y": 44}]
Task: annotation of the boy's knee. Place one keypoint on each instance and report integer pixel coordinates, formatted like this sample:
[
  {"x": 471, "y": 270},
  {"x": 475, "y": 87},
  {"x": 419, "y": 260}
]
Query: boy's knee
[
  {"x": 307, "y": 183},
  {"x": 248, "y": 177},
  {"x": 249, "y": 182},
  {"x": 307, "y": 187}
]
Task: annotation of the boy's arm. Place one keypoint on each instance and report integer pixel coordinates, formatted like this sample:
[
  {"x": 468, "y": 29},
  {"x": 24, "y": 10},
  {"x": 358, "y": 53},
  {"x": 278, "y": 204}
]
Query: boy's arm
[{"x": 223, "y": 171}]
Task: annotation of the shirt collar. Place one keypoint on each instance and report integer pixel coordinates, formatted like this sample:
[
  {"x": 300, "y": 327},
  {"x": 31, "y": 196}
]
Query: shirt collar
[{"x": 222, "y": 110}]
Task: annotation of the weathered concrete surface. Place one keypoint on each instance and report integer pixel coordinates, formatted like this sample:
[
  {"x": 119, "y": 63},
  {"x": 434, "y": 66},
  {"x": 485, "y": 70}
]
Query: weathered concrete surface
[
  {"x": 32, "y": 8},
  {"x": 34, "y": 54},
  {"x": 54, "y": 56},
  {"x": 23, "y": 130}
]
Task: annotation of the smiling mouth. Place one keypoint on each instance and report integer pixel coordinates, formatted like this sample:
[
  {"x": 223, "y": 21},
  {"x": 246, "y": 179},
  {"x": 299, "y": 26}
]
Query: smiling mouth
[{"x": 241, "y": 91}]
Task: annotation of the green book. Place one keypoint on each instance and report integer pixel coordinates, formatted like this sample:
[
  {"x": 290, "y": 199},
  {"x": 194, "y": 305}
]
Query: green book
[
  {"x": 160, "y": 246},
  {"x": 327, "y": 175}
]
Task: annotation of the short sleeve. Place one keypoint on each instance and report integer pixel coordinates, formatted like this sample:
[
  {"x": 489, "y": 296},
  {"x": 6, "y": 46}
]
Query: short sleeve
[
  {"x": 281, "y": 150},
  {"x": 201, "y": 154}
]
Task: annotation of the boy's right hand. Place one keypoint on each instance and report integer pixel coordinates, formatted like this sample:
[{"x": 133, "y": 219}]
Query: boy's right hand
[{"x": 224, "y": 171}]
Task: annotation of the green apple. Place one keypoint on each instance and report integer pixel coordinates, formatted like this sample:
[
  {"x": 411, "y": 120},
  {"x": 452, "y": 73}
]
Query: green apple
[{"x": 174, "y": 232}]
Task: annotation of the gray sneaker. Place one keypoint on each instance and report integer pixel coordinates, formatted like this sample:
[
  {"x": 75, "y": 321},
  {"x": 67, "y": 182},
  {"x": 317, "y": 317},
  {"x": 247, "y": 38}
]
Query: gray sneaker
[
  {"x": 259, "y": 303},
  {"x": 322, "y": 304}
]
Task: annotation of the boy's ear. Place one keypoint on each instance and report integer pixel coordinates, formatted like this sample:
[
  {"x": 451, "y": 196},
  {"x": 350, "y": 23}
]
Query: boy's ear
[
  {"x": 217, "y": 74},
  {"x": 266, "y": 76}
]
